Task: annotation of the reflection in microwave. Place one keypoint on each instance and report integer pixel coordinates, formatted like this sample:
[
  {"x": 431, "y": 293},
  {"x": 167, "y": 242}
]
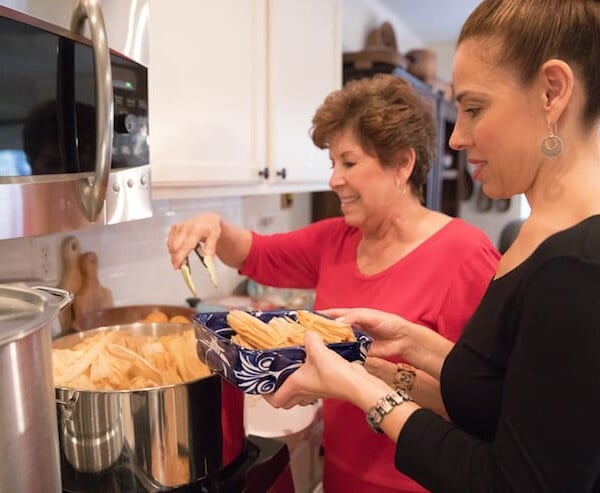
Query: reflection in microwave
[{"x": 45, "y": 129}]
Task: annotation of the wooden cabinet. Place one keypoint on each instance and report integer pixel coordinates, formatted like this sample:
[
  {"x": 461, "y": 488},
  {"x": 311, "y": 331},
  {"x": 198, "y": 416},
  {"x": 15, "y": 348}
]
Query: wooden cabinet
[{"x": 233, "y": 85}]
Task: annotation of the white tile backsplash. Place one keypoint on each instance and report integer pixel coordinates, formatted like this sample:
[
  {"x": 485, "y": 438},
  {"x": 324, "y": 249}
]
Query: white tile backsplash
[{"x": 132, "y": 257}]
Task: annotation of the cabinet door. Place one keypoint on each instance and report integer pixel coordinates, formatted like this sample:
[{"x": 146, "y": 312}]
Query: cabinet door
[
  {"x": 304, "y": 62},
  {"x": 207, "y": 91}
]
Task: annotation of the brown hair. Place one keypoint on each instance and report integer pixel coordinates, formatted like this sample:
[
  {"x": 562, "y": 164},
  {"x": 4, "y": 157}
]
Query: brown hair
[
  {"x": 386, "y": 116},
  {"x": 534, "y": 31}
]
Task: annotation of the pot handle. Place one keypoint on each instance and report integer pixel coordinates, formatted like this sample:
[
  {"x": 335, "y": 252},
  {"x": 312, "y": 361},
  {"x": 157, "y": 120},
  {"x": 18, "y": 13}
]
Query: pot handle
[
  {"x": 66, "y": 296},
  {"x": 68, "y": 406}
]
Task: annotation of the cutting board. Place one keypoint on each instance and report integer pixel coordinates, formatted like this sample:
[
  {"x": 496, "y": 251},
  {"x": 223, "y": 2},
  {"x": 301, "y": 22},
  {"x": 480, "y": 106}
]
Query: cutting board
[
  {"x": 92, "y": 296},
  {"x": 71, "y": 278}
]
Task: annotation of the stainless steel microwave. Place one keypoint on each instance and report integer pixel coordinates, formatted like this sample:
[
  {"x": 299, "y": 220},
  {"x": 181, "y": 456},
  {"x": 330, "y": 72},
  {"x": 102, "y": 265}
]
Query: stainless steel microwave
[{"x": 74, "y": 144}]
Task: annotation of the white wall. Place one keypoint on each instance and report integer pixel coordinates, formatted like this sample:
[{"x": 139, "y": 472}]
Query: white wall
[
  {"x": 359, "y": 17},
  {"x": 133, "y": 259},
  {"x": 445, "y": 55}
]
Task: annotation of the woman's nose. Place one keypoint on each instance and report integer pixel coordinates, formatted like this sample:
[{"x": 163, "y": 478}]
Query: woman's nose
[
  {"x": 457, "y": 140},
  {"x": 336, "y": 178}
]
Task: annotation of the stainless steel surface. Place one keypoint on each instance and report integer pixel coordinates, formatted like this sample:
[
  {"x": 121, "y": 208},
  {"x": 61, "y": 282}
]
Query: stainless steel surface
[
  {"x": 93, "y": 194},
  {"x": 28, "y": 434},
  {"x": 162, "y": 437},
  {"x": 43, "y": 205},
  {"x": 126, "y": 21},
  {"x": 57, "y": 204}
]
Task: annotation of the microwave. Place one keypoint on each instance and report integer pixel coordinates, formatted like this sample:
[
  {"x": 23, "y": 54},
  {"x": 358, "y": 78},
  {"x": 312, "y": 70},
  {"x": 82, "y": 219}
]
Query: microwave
[{"x": 74, "y": 140}]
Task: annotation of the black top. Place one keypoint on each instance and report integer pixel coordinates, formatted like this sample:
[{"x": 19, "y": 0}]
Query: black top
[{"x": 522, "y": 385}]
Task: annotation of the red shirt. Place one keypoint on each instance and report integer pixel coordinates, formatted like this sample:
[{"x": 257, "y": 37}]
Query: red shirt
[{"x": 438, "y": 285}]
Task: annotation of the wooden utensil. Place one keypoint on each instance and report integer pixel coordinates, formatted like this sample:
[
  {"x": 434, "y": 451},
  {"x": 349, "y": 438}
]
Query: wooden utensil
[
  {"x": 71, "y": 278},
  {"x": 92, "y": 296}
]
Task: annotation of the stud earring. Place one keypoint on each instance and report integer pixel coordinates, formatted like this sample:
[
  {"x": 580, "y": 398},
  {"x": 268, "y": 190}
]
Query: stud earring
[{"x": 552, "y": 145}]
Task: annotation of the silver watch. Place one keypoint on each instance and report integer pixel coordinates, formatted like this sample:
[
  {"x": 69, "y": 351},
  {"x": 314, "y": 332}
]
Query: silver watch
[{"x": 384, "y": 405}]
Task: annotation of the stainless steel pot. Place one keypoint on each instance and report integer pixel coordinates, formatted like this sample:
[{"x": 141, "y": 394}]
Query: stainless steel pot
[
  {"x": 160, "y": 437},
  {"x": 28, "y": 438}
]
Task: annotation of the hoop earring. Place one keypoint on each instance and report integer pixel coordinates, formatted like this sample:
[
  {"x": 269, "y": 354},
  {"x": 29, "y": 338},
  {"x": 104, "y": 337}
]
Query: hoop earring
[{"x": 552, "y": 145}]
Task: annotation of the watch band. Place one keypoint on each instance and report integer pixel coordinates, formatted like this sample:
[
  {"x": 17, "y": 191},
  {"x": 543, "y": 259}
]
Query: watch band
[
  {"x": 384, "y": 405},
  {"x": 405, "y": 377}
]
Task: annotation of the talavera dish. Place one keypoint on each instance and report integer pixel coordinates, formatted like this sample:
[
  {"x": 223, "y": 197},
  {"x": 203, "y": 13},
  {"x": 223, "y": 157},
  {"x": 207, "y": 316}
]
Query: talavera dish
[{"x": 259, "y": 371}]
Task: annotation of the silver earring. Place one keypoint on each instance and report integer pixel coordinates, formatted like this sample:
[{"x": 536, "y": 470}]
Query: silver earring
[{"x": 552, "y": 145}]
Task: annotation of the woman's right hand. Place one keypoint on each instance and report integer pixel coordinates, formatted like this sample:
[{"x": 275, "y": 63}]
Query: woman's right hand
[
  {"x": 185, "y": 236},
  {"x": 389, "y": 331},
  {"x": 394, "y": 336}
]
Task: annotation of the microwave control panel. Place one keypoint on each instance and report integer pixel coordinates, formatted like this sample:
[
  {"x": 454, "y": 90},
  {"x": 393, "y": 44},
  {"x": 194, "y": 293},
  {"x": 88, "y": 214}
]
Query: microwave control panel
[{"x": 130, "y": 132}]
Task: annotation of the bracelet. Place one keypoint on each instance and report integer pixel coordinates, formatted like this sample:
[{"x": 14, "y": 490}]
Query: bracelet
[
  {"x": 384, "y": 405},
  {"x": 405, "y": 377}
]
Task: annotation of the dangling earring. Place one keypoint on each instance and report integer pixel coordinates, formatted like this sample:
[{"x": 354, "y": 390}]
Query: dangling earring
[{"x": 552, "y": 144}]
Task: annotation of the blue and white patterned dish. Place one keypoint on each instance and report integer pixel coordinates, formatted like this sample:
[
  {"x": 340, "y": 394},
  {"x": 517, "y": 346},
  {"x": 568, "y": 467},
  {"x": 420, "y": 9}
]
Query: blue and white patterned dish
[{"x": 259, "y": 371}]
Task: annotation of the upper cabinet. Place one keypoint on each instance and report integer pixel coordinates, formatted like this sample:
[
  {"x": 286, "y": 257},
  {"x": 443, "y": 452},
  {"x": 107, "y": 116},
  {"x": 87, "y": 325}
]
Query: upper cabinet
[
  {"x": 207, "y": 106},
  {"x": 233, "y": 85},
  {"x": 305, "y": 65}
]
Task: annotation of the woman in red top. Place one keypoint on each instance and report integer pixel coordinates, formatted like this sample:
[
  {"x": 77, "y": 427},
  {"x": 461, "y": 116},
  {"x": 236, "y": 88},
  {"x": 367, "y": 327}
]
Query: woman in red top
[{"x": 388, "y": 252}]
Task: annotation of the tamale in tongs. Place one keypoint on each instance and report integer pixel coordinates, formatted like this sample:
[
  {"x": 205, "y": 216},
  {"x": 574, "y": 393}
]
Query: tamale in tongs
[{"x": 207, "y": 261}]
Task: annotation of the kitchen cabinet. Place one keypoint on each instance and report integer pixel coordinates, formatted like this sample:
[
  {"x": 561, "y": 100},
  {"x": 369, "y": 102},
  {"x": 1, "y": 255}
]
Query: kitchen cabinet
[
  {"x": 207, "y": 68},
  {"x": 233, "y": 85},
  {"x": 304, "y": 66}
]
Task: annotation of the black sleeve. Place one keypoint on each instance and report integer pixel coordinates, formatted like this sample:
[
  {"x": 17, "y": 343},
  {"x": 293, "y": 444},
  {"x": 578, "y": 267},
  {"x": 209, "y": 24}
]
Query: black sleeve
[{"x": 548, "y": 436}]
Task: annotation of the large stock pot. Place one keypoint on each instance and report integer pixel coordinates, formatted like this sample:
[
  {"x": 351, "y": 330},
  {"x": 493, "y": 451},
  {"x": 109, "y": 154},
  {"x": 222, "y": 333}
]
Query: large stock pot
[
  {"x": 157, "y": 438},
  {"x": 28, "y": 438}
]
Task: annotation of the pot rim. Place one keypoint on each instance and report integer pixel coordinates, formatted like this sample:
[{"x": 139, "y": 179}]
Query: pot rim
[
  {"x": 25, "y": 310},
  {"x": 148, "y": 328}
]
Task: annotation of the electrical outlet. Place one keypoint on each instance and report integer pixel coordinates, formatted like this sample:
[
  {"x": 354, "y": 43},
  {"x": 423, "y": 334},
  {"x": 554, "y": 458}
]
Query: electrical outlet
[{"x": 44, "y": 259}]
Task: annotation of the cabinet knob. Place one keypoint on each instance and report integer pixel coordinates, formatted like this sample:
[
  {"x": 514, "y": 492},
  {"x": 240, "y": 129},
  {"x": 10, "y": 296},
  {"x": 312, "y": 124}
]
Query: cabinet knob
[
  {"x": 264, "y": 173},
  {"x": 282, "y": 173}
]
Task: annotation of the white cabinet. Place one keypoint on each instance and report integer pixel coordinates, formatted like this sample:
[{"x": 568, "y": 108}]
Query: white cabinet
[
  {"x": 233, "y": 86},
  {"x": 206, "y": 79},
  {"x": 305, "y": 64}
]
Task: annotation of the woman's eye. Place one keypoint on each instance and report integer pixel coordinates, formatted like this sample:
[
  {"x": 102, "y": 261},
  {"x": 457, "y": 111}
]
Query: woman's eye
[
  {"x": 348, "y": 164},
  {"x": 473, "y": 112}
]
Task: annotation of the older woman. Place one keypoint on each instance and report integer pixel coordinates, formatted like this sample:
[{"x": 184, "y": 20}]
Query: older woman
[
  {"x": 387, "y": 252},
  {"x": 521, "y": 385}
]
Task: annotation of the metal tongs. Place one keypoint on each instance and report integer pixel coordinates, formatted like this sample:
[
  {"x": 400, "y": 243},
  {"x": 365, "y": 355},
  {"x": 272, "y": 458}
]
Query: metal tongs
[{"x": 207, "y": 262}]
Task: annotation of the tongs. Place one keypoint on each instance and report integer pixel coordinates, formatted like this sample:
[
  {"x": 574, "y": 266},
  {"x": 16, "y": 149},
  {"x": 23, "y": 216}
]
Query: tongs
[{"x": 207, "y": 262}]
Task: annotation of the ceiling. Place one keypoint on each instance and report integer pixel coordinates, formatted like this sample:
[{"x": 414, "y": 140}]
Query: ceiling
[{"x": 433, "y": 20}]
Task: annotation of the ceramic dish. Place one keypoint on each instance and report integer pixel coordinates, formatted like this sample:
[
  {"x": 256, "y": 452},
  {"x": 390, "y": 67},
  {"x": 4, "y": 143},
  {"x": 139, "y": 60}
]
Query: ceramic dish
[{"x": 259, "y": 371}]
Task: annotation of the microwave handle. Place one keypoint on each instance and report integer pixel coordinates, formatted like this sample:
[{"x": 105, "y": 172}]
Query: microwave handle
[{"x": 92, "y": 192}]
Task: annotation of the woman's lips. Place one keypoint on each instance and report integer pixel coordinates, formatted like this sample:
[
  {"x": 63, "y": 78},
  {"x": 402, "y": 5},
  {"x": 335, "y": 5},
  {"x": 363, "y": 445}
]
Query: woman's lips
[
  {"x": 348, "y": 199},
  {"x": 478, "y": 167}
]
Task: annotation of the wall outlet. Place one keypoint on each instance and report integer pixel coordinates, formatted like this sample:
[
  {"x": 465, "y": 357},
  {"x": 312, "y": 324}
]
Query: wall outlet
[
  {"x": 44, "y": 257},
  {"x": 286, "y": 200}
]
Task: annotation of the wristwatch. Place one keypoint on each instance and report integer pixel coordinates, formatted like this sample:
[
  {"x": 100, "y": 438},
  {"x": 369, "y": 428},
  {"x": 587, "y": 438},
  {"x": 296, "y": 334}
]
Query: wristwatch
[
  {"x": 405, "y": 377},
  {"x": 384, "y": 405}
]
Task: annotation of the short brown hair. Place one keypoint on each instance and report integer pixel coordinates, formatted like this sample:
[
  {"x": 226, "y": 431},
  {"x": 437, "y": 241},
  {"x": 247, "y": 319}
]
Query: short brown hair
[
  {"x": 387, "y": 117},
  {"x": 534, "y": 31}
]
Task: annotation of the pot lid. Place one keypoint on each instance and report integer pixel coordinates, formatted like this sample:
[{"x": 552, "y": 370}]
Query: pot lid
[{"x": 23, "y": 310}]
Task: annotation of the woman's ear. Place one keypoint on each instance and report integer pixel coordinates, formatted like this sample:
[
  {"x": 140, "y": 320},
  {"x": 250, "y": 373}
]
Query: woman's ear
[
  {"x": 557, "y": 80},
  {"x": 406, "y": 164}
]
